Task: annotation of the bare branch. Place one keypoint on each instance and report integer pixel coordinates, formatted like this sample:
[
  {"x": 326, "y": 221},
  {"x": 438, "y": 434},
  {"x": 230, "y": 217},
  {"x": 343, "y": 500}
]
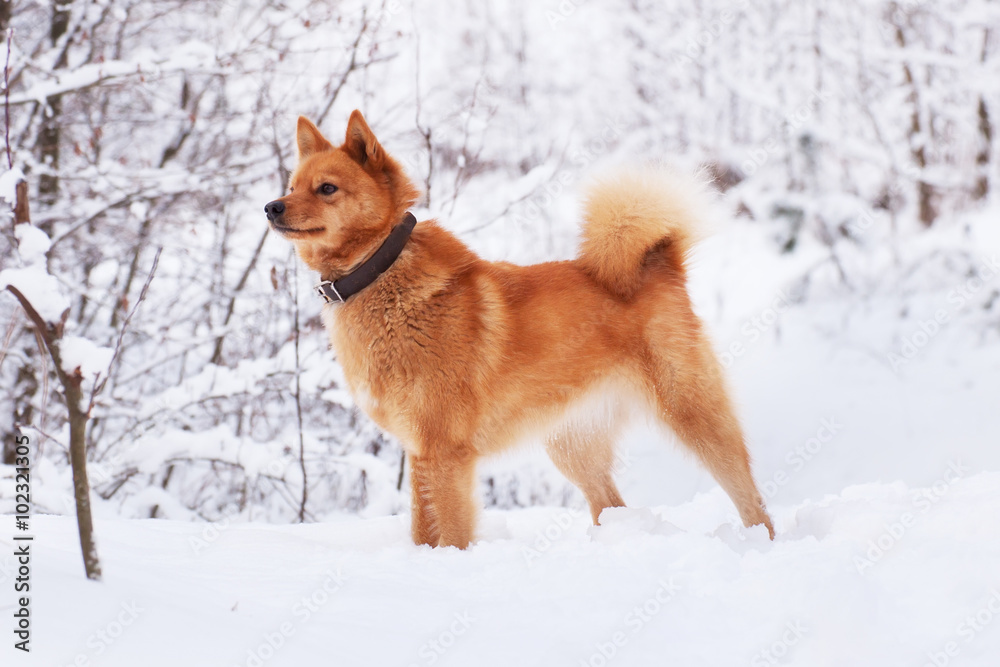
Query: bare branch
[
  {"x": 351, "y": 66},
  {"x": 217, "y": 352},
  {"x": 6, "y": 98},
  {"x": 99, "y": 387}
]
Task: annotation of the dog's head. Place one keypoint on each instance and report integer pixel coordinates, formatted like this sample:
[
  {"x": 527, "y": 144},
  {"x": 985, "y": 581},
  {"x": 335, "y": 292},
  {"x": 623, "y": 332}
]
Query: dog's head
[{"x": 342, "y": 201}]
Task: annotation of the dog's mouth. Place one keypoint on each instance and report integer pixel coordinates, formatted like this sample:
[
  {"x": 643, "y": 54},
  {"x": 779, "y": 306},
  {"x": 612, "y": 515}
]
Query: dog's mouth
[{"x": 285, "y": 230}]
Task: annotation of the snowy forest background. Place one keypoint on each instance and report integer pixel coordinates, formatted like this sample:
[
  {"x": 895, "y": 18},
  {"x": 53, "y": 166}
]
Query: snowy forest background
[{"x": 854, "y": 143}]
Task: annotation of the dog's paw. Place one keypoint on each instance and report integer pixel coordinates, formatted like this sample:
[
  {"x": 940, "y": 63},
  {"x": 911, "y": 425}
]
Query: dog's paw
[
  {"x": 742, "y": 539},
  {"x": 617, "y": 523}
]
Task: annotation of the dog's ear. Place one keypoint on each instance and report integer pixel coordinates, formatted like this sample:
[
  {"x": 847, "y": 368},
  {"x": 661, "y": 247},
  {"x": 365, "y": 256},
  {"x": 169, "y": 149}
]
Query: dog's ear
[
  {"x": 310, "y": 139},
  {"x": 361, "y": 144}
]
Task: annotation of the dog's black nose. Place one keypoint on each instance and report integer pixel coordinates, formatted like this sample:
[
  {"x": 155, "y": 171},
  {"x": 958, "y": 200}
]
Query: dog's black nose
[{"x": 274, "y": 209}]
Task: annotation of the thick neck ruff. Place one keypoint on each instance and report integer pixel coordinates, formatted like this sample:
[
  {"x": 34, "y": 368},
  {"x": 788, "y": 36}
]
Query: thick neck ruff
[{"x": 343, "y": 288}]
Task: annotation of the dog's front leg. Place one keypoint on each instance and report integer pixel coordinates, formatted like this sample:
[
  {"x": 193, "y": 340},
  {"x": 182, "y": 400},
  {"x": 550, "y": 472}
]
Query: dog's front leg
[
  {"x": 423, "y": 521},
  {"x": 443, "y": 510}
]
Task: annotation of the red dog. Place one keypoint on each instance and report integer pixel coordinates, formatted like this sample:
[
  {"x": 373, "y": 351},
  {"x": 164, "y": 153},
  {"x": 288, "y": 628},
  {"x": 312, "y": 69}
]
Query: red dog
[{"x": 460, "y": 357}]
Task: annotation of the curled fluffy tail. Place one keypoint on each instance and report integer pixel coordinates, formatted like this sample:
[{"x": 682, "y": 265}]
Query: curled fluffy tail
[{"x": 634, "y": 214}]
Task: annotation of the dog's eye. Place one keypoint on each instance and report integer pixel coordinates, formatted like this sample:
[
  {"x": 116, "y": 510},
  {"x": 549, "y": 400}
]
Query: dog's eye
[{"x": 327, "y": 189}]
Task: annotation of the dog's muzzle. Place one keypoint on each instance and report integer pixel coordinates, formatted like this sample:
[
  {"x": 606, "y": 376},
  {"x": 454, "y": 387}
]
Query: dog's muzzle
[{"x": 274, "y": 210}]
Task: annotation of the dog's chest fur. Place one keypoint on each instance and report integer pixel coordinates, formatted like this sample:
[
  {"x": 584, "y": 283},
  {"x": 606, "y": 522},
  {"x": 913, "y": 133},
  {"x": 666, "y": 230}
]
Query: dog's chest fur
[
  {"x": 409, "y": 345},
  {"x": 373, "y": 350}
]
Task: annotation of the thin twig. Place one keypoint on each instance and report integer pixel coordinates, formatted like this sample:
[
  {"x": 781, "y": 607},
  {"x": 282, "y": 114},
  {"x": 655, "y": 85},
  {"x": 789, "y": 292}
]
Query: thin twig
[
  {"x": 425, "y": 132},
  {"x": 351, "y": 66},
  {"x": 559, "y": 167},
  {"x": 46, "y": 435},
  {"x": 15, "y": 319},
  {"x": 44, "y": 410},
  {"x": 217, "y": 352},
  {"x": 43, "y": 327},
  {"x": 99, "y": 387},
  {"x": 298, "y": 398},
  {"x": 6, "y": 99}
]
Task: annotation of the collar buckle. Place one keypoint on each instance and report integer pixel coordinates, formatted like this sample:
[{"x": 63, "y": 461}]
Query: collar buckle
[{"x": 327, "y": 291}]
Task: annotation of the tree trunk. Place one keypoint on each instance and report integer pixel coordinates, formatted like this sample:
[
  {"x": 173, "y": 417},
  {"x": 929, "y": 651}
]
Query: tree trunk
[
  {"x": 982, "y": 185},
  {"x": 49, "y": 134},
  {"x": 26, "y": 386},
  {"x": 926, "y": 195},
  {"x": 6, "y": 6},
  {"x": 78, "y": 461}
]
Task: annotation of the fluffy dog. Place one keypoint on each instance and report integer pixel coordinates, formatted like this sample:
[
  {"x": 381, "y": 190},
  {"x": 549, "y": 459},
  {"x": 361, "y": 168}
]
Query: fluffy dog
[{"x": 459, "y": 357}]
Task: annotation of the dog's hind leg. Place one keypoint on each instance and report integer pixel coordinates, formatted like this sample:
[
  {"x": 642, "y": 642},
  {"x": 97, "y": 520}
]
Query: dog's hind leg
[
  {"x": 685, "y": 380},
  {"x": 586, "y": 456}
]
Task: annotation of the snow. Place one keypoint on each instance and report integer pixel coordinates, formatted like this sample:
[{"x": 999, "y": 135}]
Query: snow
[
  {"x": 879, "y": 574},
  {"x": 91, "y": 359},
  {"x": 32, "y": 243},
  {"x": 195, "y": 58},
  {"x": 8, "y": 184},
  {"x": 39, "y": 288},
  {"x": 32, "y": 278}
]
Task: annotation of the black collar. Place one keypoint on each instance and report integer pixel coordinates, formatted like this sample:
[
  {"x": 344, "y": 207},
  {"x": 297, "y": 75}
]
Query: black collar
[{"x": 342, "y": 289}]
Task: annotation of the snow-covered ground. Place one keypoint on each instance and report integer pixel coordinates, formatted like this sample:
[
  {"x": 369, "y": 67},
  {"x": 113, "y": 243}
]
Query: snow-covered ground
[{"x": 878, "y": 574}]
